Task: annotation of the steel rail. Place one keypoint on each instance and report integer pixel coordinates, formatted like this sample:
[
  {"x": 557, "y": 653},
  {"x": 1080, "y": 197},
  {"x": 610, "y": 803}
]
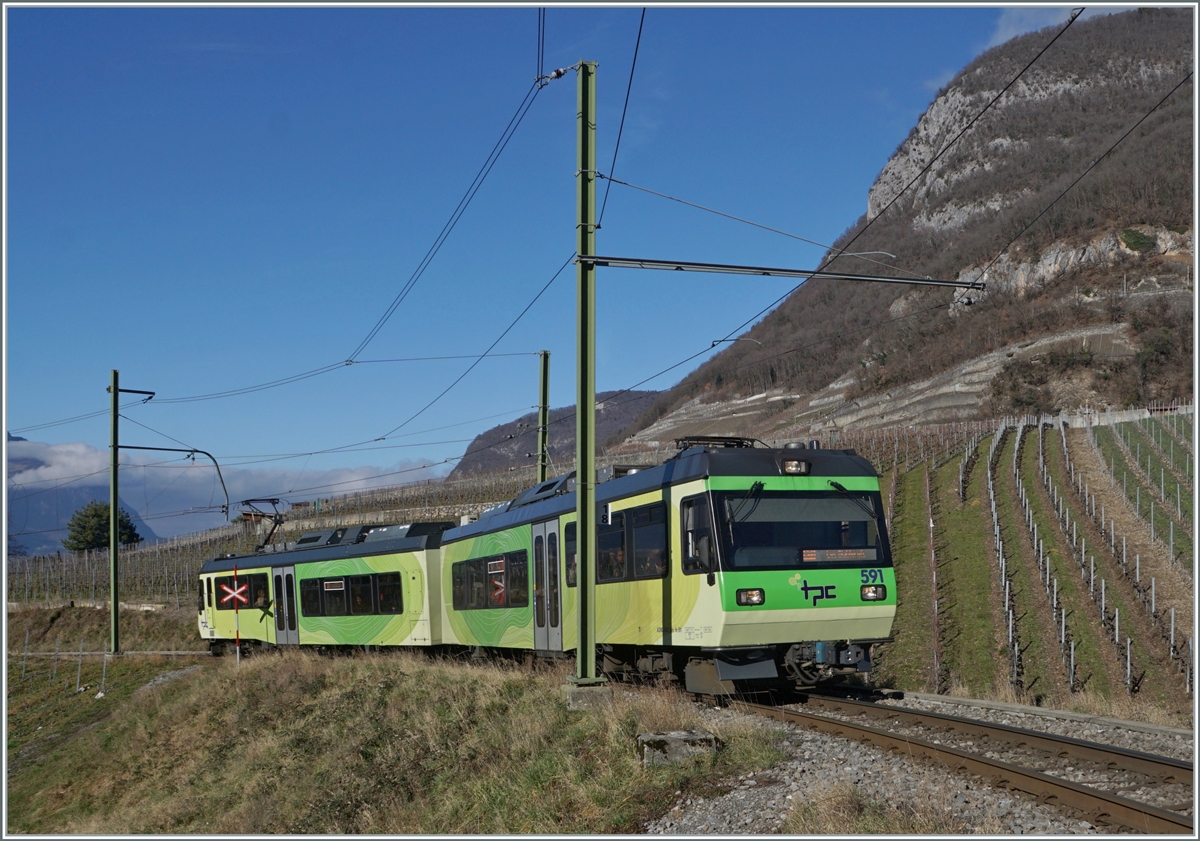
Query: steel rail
[
  {"x": 1164, "y": 769},
  {"x": 1099, "y": 807}
]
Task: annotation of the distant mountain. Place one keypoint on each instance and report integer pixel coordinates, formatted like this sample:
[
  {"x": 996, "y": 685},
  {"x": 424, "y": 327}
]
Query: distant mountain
[
  {"x": 18, "y": 464},
  {"x": 515, "y": 444},
  {"x": 1127, "y": 223},
  {"x": 38, "y": 519}
]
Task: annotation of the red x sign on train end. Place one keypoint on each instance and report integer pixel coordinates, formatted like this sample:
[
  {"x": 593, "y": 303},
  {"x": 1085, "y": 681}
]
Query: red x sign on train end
[{"x": 238, "y": 594}]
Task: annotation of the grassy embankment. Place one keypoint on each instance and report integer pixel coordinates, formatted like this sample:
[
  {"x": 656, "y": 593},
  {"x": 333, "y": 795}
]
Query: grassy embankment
[
  {"x": 907, "y": 662},
  {"x": 169, "y": 629},
  {"x": 1096, "y": 669},
  {"x": 969, "y": 603},
  {"x": 297, "y": 743},
  {"x": 1043, "y": 678}
]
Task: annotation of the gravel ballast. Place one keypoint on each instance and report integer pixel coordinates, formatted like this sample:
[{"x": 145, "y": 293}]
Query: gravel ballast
[{"x": 819, "y": 765}]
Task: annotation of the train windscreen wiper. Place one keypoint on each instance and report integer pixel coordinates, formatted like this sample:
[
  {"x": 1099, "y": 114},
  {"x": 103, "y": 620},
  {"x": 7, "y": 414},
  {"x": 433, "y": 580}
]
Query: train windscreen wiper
[
  {"x": 755, "y": 490},
  {"x": 840, "y": 488}
]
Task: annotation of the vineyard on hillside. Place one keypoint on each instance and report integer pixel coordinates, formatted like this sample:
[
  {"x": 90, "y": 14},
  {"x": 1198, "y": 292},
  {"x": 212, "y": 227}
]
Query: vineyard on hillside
[{"x": 1036, "y": 557}]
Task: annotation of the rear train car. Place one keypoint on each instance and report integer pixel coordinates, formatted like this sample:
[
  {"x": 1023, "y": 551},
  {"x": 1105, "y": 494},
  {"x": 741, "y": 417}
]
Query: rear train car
[{"x": 355, "y": 586}]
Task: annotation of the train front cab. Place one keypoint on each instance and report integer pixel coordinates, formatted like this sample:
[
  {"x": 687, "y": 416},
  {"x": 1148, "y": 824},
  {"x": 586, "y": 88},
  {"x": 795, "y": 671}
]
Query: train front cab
[{"x": 794, "y": 578}]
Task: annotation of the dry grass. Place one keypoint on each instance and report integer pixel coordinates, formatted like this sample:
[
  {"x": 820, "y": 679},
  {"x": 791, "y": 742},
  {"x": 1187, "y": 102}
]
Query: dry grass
[
  {"x": 169, "y": 629},
  {"x": 843, "y": 809},
  {"x": 1136, "y": 708},
  {"x": 296, "y": 743}
]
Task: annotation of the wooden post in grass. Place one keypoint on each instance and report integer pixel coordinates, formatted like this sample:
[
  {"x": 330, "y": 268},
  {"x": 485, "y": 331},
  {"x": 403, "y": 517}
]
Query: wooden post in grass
[{"x": 103, "y": 671}]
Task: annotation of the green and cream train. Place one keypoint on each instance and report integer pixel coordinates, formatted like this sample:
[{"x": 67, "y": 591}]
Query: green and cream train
[{"x": 728, "y": 566}]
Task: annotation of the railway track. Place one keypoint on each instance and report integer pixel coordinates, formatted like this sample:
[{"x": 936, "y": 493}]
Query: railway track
[{"x": 1088, "y": 779}]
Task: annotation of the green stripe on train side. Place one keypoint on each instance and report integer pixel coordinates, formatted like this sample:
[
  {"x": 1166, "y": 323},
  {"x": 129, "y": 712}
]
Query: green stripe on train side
[
  {"x": 807, "y": 589},
  {"x": 793, "y": 483},
  {"x": 390, "y": 629}
]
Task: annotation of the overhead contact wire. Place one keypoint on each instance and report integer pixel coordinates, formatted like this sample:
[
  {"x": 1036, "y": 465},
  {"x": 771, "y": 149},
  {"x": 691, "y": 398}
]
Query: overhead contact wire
[
  {"x": 463, "y": 203},
  {"x": 471, "y": 367},
  {"x": 621, "y": 127}
]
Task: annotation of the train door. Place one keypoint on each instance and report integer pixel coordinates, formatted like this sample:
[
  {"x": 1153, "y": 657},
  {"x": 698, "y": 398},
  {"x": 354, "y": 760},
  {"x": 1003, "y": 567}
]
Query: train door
[
  {"x": 284, "y": 606},
  {"x": 547, "y": 592}
]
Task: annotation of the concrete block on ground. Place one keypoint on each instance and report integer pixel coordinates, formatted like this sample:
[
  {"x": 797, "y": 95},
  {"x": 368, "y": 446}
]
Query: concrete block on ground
[
  {"x": 586, "y": 697},
  {"x": 675, "y": 746}
]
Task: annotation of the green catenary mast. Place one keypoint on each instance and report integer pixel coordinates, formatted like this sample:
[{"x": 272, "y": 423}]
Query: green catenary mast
[
  {"x": 114, "y": 519},
  {"x": 585, "y": 360},
  {"x": 543, "y": 437}
]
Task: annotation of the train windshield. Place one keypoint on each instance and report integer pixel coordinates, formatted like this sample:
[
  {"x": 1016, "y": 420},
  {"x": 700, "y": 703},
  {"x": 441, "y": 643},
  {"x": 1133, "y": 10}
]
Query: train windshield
[{"x": 797, "y": 529}]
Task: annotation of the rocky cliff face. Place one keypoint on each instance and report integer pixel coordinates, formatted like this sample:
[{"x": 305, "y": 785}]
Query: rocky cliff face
[{"x": 1042, "y": 115}]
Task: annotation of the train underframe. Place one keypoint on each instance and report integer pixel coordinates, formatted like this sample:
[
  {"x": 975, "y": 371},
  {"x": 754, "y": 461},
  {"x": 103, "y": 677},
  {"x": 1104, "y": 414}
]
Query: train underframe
[
  {"x": 728, "y": 671},
  {"x": 701, "y": 671}
]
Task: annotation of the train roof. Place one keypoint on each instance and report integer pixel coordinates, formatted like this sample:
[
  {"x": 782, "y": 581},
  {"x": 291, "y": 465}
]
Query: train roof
[
  {"x": 708, "y": 457},
  {"x": 699, "y": 458},
  {"x": 346, "y": 542}
]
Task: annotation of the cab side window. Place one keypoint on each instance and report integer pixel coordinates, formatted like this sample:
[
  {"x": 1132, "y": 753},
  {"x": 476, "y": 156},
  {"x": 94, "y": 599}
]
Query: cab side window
[
  {"x": 610, "y": 548},
  {"x": 699, "y": 554},
  {"x": 569, "y": 544},
  {"x": 389, "y": 593}
]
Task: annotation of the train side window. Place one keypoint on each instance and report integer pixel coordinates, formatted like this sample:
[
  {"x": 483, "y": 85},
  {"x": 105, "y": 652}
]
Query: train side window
[
  {"x": 361, "y": 600},
  {"x": 310, "y": 596},
  {"x": 333, "y": 591},
  {"x": 476, "y": 584},
  {"x": 569, "y": 541},
  {"x": 552, "y": 570},
  {"x": 495, "y": 582},
  {"x": 458, "y": 574},
  {"x": 517, "y": 569},
  {"x": 650, "y": 541},
  {"x": 390, "y": 596},
  {"x": 696, "y": 520},
  {"x": 220, "y": 585},
  {"x": 256, "y": 591},
  {"x": 200, "y": 596},
  {"x": 610, "y": 549}
]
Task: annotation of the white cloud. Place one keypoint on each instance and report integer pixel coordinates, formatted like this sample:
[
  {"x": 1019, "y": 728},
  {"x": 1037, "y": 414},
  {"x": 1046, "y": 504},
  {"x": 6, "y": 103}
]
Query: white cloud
[{"x": 161, "y": 486}]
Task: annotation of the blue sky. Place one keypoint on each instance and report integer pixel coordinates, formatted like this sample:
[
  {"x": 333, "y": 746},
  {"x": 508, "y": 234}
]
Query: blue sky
[{"x": 207, "y": 199}]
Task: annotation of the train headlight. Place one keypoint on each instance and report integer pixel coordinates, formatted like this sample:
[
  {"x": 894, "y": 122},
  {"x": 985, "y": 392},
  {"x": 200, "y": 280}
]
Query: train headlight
[
  {"x": 794, "y": 467},
  {"x": 749, "y": 598},
  {"x": 873, "y": 592}
]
